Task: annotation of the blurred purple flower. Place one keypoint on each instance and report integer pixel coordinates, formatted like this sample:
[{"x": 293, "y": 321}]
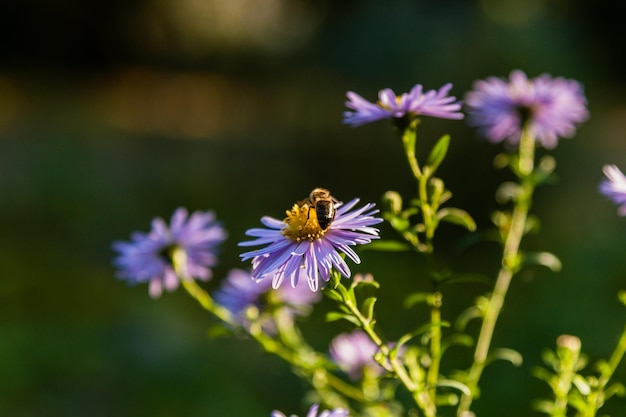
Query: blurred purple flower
[
  {"x": 296, "y": 243},
  {"x": 614, "y": 187},
  {"x": 412, "y": 104},
  {"x": 240, "y": 291},
  {"x": 353, "y": 352},
  {"x": 337, "y": 412},
  {"x": 548, "y": 107},
  {"x": 148, "y": 256}
]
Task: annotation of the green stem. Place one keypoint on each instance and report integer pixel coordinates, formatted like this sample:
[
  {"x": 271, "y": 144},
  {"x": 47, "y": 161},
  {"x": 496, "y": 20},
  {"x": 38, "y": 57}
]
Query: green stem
[
  {"x": 419, "y": 394},
  {"x": 435, "y": 344},
  {"x": 614, "y": 361},
  {"x": 409, "y": 135},
  {"x": 179, "y": 262},
  {"x": 596, "y": 399},
  {"x": 510, "y": 264},
  {"x": 270, "y": 345},
  {"x": 427, "y": 213}
]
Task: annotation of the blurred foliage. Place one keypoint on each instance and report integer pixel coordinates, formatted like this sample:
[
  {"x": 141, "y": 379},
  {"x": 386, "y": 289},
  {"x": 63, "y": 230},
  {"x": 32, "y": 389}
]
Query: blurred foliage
[{"x": 114, "y": 112}]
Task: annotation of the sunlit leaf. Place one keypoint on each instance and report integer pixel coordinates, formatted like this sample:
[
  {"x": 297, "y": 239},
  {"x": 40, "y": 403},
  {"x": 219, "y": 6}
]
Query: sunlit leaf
[
  {"x": 506, "y": 354},
  {"x": 549, "y": 358},
  {"x": 544, "y": 406},
  {"x": 438, "y": 153},
  {"x": 547, "y": 259},
  {"x": 466, "y": 316},
  {"x": 336, "y": 316},
  {"x": 454, "y": 384},
  {"x": 457, "y": 216},
  {"x": 616, "y": 388},
  {"x": 508, "y": 191},
  {"x": 458, "y": 339},
  {"x": 447, "y": 399},
  {"x": 392, "y": 202},
  {"x": 332, "y": 294},
  {"x": 416, "y": 298},
  {"x": 542, "y": 374},
  {"x": 367, "y": 309},
  {"x": 582, "y": 384}
]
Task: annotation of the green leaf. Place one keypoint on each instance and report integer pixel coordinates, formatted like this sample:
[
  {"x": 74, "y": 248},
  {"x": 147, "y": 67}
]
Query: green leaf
[
  {"x": 392, "y": 202},
  {"x": 358, "y": 283},
  {"x": 546, "y": 259},
  {"x": 542, "y": 373},
  {"x": 446, "y": 399},
  {"x": 416, "y": 298},
  {"x": 332, "y": 294},
  {"x": 336, "y": 316},
  {"x": 614, "y": 389},
  {"x": 457, "y": 216},
  {"x": 454, "y": 384},
  {"x": 399, "y": 223},
  {"x": 549, "y": 358},
  {"x": 458, "y": 339},
  {"x": 545, "y": 170},
  {"x": 404, "y": 340},
  {"x": 508, "y": 191},
  {"x": 533, "y": 225},
  {"x": 367, "y": 309},
  {"x": 582, "y": 384},
  {"x": 387, "y": 246},
  {"x": 506, "y": 354},
  {"x": 544, "y": 406},
  {"x": 466, "y": 316},
  {"x": 438, "y": 153},
  {"x": 621, "y": 295}
]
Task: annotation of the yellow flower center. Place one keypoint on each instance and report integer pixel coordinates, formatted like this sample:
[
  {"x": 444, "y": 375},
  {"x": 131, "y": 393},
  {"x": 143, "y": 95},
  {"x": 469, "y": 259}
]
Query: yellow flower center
[{"x": 301, "y": 223}]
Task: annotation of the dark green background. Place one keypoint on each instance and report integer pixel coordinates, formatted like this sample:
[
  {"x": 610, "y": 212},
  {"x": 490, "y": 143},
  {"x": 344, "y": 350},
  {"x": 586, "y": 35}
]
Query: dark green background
[{"x": 114, "y": 112}]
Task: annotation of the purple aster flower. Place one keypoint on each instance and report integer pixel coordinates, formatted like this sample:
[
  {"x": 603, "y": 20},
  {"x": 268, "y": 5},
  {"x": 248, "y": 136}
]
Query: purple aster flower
[
  {"x": 412, "y": 104},
  {"x": 614, "y": 187},
  {"x": 353, "y": 352},
  {"x": 299, "y": 242},
  {"x": 337, "y": 412},
  {"x": 240, "y": 291},
  {"x": 148, "y": 256},
  {"x": 548, "y": 107}
]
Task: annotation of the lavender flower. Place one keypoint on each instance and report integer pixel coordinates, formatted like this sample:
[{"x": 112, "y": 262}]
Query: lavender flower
[
  {"x": 148, "y": 256},
  {"x": 240, "y": 291},
  {"x": 548, "y": 107},
  {"x": 337, "y": 412},
  {"x": 353, "y": 352},
  {"x": 411, "y": 105},
  {"x": 299, "y": 243},
  {"x": 614, "y": 187}
]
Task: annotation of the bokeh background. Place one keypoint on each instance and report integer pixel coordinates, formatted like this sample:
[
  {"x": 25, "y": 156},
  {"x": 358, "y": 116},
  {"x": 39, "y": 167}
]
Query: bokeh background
[{"x": 112, "y": 112}]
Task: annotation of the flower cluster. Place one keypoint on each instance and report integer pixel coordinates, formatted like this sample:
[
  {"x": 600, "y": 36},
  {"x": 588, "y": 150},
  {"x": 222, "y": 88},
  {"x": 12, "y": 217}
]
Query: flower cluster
[
  {"x": 548, "y": 107},
  {"x": 412, "y": 104},
  {"x": 354, "y": 352},
  {"x": 310, "y": 245},
  {"x": 149, "y": 257},
  {"x": 239, "y": 291}
]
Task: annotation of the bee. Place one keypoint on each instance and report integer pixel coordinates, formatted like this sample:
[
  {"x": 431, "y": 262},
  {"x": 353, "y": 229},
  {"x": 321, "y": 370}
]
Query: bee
[{"x": 324, "y": 205}]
